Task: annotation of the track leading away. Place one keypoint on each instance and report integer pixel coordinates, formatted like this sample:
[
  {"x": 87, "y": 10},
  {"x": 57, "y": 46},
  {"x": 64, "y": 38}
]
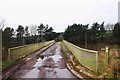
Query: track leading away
[{"x": 48, "y": 64}]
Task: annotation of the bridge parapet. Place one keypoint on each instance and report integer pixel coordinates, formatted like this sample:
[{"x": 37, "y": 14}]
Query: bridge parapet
[
  {"x": 21, "y": 51},
  {"x": 88, "y": 58}
]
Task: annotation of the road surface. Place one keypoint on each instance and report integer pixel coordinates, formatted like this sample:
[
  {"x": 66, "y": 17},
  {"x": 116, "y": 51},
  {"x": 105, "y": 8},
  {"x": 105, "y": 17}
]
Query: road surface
[{"x": 48, "y": 64}]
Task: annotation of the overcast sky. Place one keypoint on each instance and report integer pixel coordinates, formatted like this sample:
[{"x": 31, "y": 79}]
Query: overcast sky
[{"x": 58, "y": 13}]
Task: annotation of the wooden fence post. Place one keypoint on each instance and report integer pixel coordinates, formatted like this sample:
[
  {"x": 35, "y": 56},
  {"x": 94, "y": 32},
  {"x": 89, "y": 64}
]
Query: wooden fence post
[
  {"x": 108, "y": 54},
  {"x": 96, "y": 62}
]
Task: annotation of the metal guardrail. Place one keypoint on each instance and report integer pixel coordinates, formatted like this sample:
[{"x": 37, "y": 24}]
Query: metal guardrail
[
  {"x": 88, "y": 58},
  {"x": 21, "y": 51}
]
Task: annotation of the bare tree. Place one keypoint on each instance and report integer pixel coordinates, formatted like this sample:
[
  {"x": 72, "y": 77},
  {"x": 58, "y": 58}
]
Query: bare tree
[
  {"x": 33, "y": 30},
  {"x": 2, "y": 23},
  {"x": 109, "y": 27}
]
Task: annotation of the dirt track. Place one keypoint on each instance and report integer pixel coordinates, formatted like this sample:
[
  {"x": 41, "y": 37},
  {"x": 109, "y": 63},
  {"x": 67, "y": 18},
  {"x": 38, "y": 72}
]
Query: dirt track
[{"x": 49, "y": 64}]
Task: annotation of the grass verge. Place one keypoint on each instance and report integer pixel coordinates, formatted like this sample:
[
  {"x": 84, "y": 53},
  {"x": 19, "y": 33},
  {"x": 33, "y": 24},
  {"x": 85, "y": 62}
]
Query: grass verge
[{"x": 7, "y": 63}]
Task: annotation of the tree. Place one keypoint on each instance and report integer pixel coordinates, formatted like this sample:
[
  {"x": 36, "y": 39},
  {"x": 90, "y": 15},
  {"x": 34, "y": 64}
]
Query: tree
[
  {"x": 26, "y": 31},
  {"x": 49, "y": 30},
  {"x": 116, "y": 32},
  {"x": 41, "y": 31},
  {"x": 85, "y": 29},
  {"x": 81, "y": 34},
  {"x": 102, "y": 32},
  {"x": 48, "y": 35},
  {"x": 20, "y": 32},
  {"x": 75, "y": 33},
  {"x": 7, "y": 37},
  {"x": 94, "y": 32}
]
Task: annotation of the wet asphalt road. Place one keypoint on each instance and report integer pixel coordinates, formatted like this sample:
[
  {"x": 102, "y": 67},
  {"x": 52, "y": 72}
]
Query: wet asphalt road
[{"x": 50, "y": 65}]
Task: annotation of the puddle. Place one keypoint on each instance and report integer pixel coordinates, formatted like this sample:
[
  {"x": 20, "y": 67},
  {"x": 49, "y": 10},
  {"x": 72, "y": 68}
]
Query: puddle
[
  {"x": 32, "y": 74},
  {"x": 57, "y": 51},
  {"x": 48, "y": 51},
  {"x": 64, "y": 73},
  {"x": 57, "y": 55},
  {"x": 38, "y": 63},
  {"x": 56, "y": 58},
  {"x": 39, "y": 59},
  {"x": 49, "y": 65},
  {"x": 51, "y": 73},
  {"x": 45, "y": 58},
  {"x": 58, "y": 73}
]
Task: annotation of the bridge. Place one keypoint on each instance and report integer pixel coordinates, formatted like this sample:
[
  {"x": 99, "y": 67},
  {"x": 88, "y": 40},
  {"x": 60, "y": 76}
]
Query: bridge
[{"x": 53, "y": 60}]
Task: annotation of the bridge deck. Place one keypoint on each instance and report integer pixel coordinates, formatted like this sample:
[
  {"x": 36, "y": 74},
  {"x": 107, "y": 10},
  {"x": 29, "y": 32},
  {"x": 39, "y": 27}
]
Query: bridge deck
[{"x": 50, "y": 65}]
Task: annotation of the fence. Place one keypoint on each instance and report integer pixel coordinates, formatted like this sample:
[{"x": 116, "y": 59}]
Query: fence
[
  {"x": 18, "y": 52},
  {"x": 88, "y": 58}
]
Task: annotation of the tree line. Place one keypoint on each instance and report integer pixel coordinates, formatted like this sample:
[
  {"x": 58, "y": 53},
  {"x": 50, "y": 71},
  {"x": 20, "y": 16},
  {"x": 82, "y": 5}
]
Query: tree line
[
  {"x": 23, "y": 35},
  {"x": 76, "y": 33},
  {"x": 96, "y": 33}
]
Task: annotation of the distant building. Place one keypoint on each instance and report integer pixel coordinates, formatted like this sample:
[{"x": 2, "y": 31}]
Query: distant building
[{"x": 119, "y": 11}]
